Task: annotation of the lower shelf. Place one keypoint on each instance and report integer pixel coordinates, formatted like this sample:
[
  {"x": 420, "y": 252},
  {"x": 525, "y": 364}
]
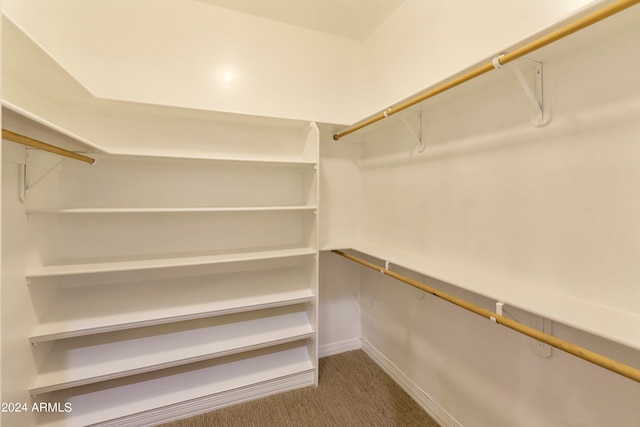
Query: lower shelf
[
  {"x": 186, "y": 390},
  {"x": 76, "y": 362},
  {"x": 604, "y": 321}
]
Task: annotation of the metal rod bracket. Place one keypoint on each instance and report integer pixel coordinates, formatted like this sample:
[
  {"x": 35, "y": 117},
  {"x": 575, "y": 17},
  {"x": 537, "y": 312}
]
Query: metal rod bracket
[
  {"x": 533, "y": 90},
  {"x": 26, "y": 183},
  {"x": 540, "y": 348},
  {"x": 420, "y": 147}
]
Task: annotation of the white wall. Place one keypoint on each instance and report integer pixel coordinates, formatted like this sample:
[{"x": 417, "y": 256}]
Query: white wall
[
  {"x": 425, "y": 42},
  {"x": 24, "y": 246},
  {"x": 195, "y": 55},
  {"x": 554, "y": 208},
  {"x": 482, "y": 374},
  {"x": 493, "y": 193},
  {"x": 1, "y": 252},
  {"x": 339, "y": 309},
  {"x": 340, "y": 184}
]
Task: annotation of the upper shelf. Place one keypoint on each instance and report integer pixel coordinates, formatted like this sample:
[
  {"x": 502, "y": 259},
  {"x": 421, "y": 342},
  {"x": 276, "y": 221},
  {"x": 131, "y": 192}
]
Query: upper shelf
[
  {"x": 178, "y": 134},
  {"x": 65, "y": 211},
  {"x": 176, "y": 155}
]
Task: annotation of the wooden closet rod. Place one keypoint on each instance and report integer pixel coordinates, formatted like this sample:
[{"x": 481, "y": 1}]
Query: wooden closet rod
[
  {"x": 497, "y": 62},
  {"x": 34, "y": 143},
  {"x": 589, "y": 356}
]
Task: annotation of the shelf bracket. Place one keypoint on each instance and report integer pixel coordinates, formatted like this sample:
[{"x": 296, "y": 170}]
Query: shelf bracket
[
  {"x": 420, "y": 147},
  {"x": 538, "y": 323},
  {"x": 543, "y": 325},
  {"x": 533, "y": 91},
  {"x": 26, "y": 183}
]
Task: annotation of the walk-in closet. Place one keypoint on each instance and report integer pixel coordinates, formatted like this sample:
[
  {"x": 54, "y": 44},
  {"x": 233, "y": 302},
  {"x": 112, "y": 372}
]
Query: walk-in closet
[{"x": 203, "y": 199}]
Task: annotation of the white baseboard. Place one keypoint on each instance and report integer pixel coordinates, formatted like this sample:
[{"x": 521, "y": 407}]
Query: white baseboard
[
  {"x": 434, "y": 410},
  {"x": 210, "y": 403},
  {"x": 339, "y": 347}
]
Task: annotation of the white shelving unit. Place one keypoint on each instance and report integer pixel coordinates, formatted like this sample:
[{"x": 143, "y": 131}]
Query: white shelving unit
[{"x": 178, "y": 284}]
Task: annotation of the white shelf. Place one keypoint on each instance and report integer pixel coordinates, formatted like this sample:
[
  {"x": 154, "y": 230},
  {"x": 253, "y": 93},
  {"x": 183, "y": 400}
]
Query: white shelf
[
  {"x": 126, "y": 111},
  {"x": 267, "y": 160},
  {"x": 64, "y": 211},
  {"x": 79, "y": 311},
  {"x": 114, "y": 265},
  {"x": 608, "y": 322},
  {"x": 97, "y": 359},
  {"x": 190, "y": 384}
]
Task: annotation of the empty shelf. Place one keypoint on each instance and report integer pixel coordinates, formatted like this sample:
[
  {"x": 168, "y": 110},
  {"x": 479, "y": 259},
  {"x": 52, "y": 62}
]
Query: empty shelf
[
  {"x": 73, "y": 363},
  {"x": 608, "y": 322},
  {"x": 96, "y": 266},
  {"x": 201, "y": 382},
  {"x": 125, "y": 210},
  {"x": 97, "y": 309}
]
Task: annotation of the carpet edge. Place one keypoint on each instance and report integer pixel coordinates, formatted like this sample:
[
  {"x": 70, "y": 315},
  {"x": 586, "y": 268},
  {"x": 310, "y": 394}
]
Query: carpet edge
[{"x": 423, "y": 399}]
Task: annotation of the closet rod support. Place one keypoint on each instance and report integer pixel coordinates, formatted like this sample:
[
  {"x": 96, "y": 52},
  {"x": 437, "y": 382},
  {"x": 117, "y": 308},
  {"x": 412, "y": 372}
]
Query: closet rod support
[
  {"x": 420, "y": 147},
  {"x": 534, "y": 95},
  {"x": 24, "y": 184}
]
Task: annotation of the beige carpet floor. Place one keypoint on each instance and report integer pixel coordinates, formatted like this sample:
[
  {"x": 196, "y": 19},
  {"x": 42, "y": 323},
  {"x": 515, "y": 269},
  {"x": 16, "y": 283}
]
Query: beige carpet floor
[{"x": 352, "y": 391}]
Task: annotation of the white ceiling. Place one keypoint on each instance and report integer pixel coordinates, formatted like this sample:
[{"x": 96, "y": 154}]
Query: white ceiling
[{"x": 354, "y": 19}]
